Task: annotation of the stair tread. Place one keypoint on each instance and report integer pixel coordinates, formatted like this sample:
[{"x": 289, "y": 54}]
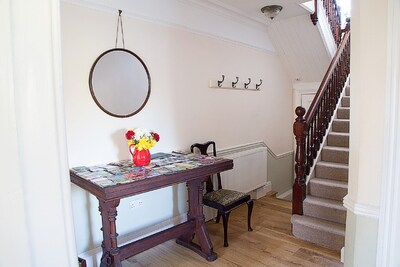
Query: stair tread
[
  {"x": 329, "y": 203},
  {"x": 344, "y": 108},
  {"x": 337, "y": 148},
  {"x": 329, "y": 182},
  {"x": 321, "y": 224},
  {"x": 333, "y": 164}
]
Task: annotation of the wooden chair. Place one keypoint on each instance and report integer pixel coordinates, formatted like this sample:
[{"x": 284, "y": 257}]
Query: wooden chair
[{"x": 223, "y": 200}]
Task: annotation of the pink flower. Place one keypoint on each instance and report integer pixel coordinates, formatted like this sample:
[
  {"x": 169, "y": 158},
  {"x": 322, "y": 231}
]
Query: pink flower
[{"x": 129, "y": 134}]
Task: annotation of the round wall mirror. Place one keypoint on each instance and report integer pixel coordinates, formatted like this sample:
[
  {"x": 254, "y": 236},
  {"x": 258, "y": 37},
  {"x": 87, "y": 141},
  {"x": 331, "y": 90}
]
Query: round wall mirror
[{"x": 119, "y": 83}]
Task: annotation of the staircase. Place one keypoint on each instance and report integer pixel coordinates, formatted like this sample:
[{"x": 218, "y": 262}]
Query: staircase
[
  {"x": 324, "y": 217},
  {"x": 322, "y": 146}
]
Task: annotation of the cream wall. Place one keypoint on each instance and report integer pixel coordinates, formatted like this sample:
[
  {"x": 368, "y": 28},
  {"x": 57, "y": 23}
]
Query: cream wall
[
  {"x": 181, "y": 107},
  {"x": 368, "y": 93},
  {"x": 368, "y": 83}
]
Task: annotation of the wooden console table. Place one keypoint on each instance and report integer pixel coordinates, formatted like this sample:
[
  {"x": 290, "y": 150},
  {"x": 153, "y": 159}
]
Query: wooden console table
[{"x": 112, "y": 182}]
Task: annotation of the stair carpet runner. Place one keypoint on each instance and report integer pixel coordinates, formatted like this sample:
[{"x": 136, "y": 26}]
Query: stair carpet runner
[{"x": 324, "y": 216}]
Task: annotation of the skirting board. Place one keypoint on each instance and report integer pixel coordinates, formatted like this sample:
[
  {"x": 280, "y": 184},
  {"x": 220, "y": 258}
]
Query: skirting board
[
  {"x": 262, "y": 191},
  {"x": 93, "y": 256},
  {"x": 342, "y": 255},
  {"x": 284, "y": 195}
]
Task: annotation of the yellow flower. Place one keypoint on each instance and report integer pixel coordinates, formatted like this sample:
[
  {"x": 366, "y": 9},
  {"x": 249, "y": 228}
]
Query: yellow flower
[
  {"x": 142, "y": 138},
  {"x": 144, "y": 143}
]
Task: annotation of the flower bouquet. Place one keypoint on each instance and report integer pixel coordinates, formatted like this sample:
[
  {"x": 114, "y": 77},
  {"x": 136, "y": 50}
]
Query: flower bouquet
[{"x": 141, "y": 140}]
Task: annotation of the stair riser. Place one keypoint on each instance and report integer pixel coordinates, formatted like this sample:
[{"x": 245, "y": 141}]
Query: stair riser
[
  {"x": 345, "y": 101},
  {"x": 341, "y": 126},
  {"x": 343, "y": 113},
  {"x": 325, "y": 213},
  {"x": 326, "y": 191},
  {"x": 317, "y": 236},
  {"x": 347, "y": 90},
  {"x": 335, "y": 156},
  {"x": 329, "y": 172},
  {"x": 338, "y": 140}
]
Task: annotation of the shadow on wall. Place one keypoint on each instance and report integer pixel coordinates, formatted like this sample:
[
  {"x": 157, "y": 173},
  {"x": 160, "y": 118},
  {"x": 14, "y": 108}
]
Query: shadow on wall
[
  {"x": 280, "y": 171},
  {"x": 118, "y": 137}
]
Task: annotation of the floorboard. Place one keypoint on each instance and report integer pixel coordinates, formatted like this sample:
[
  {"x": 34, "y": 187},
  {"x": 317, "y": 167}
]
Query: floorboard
[{"x": 269, "y": 244}]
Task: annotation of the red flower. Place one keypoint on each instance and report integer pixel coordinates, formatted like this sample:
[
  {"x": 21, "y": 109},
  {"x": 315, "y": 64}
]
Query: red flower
[
  {"x": 156, "y": 137},
  {"x": 129, "y": 134}
]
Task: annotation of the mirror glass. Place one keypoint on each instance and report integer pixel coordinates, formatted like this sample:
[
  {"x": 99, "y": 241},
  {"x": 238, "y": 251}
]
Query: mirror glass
[{"x": 119, "y": 83}]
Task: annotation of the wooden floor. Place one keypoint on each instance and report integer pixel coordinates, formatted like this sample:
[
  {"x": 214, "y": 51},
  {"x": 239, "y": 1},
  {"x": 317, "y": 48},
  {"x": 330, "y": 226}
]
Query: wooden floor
[{"x": 269, "y": 244}]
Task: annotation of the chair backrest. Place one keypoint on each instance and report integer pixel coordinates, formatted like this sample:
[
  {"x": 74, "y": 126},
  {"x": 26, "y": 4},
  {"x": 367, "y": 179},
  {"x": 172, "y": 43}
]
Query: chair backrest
[{"x": 203, "y": 148}]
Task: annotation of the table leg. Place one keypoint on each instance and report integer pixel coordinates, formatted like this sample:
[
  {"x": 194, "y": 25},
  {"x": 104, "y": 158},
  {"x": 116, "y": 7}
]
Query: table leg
[
  {"x": 205, "y": 248},
  {"x": 111, "y": 252}
]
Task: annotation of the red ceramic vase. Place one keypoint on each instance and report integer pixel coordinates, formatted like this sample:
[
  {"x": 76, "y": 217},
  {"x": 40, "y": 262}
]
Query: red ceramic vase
[{"x": 141, "y": 157}]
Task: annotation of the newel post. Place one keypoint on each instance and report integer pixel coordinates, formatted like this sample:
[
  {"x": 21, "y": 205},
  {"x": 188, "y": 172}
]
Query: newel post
[{"x": 299, "y": 186}]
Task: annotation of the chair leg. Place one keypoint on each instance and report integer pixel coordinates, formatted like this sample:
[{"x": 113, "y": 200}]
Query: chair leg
[
  {"x": 250, "y": 210},
  {"x": 225, "y": 218},
  {"x": 218, "y": 218}
]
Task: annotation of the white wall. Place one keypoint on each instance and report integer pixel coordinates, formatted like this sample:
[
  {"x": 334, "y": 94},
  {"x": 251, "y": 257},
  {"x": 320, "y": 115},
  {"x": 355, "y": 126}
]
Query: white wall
[
  {"x": 368, "y": 83},
  {"x": 368, "y": 93},
  {"x": 181, "y": 108}
]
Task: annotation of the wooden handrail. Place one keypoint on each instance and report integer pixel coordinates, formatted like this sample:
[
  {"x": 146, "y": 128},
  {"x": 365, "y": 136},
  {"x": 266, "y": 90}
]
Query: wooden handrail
[
  {"x": 332, "y": 11},
  {"x": 310, "y": 128}
]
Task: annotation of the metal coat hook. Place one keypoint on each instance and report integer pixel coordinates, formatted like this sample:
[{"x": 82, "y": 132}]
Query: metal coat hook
[
  {"x": 234, "y": 83},
  {"x": 246, "y": 85},
  {"x": 258, "y": 85},
  {"x": 220, "y": 82}
]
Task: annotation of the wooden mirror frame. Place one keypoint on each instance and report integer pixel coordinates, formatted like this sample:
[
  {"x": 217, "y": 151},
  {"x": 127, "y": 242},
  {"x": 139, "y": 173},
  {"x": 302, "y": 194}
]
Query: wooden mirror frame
[{"x": 135, "y": 108}]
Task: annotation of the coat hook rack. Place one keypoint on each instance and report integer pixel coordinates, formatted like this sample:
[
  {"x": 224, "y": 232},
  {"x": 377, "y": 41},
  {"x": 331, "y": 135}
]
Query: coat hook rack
[
  {"x": 246, "y": 85},
  {"x": 225, "y": 83},
  {"x": 220, "y": 82},
  {"x": 258, "y": 85},
  {"x": 234, "y": 83}
]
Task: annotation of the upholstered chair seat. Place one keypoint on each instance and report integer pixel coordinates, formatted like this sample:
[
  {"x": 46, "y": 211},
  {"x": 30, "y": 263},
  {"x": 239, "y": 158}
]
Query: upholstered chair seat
[{"x": 224, "y": 197}]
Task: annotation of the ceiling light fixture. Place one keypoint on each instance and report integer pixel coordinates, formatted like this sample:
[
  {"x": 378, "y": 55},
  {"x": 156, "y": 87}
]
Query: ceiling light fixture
[{"x": 271, "y": 11}]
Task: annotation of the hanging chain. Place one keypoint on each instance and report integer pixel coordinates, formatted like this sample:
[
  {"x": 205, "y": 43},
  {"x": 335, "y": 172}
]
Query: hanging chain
[{"x": 122, "y": 30}]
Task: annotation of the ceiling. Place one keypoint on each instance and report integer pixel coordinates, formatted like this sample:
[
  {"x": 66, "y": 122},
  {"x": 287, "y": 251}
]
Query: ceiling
[
  {"x": 244, "y": 10},
  {"x": 251, "y": 9},
  {"x": 234, "y": 20}
]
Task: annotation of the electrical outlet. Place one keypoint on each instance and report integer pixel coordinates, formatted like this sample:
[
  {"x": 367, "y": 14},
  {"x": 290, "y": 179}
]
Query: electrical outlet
[{"x": 136, "y": 203}]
